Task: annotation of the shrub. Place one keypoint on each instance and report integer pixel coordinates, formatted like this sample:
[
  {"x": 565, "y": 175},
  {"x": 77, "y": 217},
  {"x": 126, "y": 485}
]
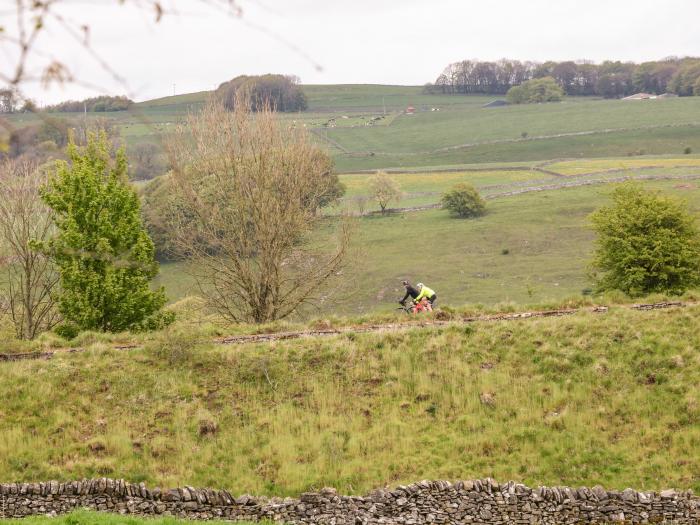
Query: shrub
[
  {"x": 67, "y": 330},
  {"x": 534, "y": 91},
  {"x": 145, "y": 161},
  {"x": 464, "y": 201},
  {"x": 156, "y": 321},
  {"x": 175, "y": 347},
  {"x": 646, "y": 243},
  {"x": 688, "y": 150}
]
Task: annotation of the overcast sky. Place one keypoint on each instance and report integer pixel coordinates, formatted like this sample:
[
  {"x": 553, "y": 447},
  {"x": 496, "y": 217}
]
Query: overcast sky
[{"x": 354, "y": 41}]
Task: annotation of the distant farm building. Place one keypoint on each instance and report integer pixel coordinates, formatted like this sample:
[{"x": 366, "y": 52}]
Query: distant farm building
[
  {"x": 495, "y": 104},
  {"x": 649, "y": 96},
  {"x": 410, "y": 110},
  {"x": 640, "y": 96}
]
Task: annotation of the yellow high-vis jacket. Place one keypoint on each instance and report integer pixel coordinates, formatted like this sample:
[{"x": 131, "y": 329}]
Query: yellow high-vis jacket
[{"x": 425, "y": 292}]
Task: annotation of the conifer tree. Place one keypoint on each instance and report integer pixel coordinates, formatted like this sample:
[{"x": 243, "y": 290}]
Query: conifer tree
[{"x": 103, "y": 253}]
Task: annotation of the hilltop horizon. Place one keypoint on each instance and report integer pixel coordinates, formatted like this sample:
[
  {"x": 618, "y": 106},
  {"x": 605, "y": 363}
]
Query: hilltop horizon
[{"x": 432, "y": 81}]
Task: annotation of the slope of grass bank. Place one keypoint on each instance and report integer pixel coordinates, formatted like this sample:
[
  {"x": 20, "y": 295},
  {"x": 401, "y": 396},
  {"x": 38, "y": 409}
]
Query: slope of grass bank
[{"x": 592, "y": 398}]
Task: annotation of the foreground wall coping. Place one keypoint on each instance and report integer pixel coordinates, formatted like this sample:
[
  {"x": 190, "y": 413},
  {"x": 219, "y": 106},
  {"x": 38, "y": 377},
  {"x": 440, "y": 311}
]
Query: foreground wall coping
[{"x": 426, "y": 502}]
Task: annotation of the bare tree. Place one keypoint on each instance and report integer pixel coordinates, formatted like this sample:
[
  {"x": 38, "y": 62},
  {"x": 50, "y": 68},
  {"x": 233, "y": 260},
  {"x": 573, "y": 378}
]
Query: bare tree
[
  {"x": 384, "y": 190},
  {"x": 9, "y": 100},
  {"x": 30, "y": 278},
  {"x": 145, "y": 162},
  {"x": 361, "y": 203},
  {"x": 248, "y": 188}
]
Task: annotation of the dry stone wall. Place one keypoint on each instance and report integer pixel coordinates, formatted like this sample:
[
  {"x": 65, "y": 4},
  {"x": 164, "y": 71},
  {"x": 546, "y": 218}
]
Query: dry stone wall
[{"x": 426, "y": 502}]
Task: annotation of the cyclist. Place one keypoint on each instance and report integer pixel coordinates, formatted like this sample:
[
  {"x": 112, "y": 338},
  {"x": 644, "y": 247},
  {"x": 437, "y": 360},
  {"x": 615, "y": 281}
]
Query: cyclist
[
  {"x": 410, "y": 292},
  {"x": 426, "y": 297}
]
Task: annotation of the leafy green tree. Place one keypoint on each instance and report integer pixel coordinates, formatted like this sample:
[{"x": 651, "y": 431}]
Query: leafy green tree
[
  {"x": 646, "y": 243},
  {"x": 464, "y": 201},
  {"x": 535, "y": 91},
  {"x": 517, "y": 95},
  {"x": 94, "y": 104},
  {"x": 683, "y": 81},
  {"x": 103, "y": 254}
]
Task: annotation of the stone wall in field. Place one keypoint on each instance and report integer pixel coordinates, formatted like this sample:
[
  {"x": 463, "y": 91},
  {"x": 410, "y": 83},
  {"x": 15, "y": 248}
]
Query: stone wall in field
[{"x": 426, "y": 502}]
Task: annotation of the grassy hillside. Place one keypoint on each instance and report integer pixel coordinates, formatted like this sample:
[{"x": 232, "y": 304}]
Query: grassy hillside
[
  {"x": 175, "y": 101},
  {"x": 363, "y": 126},
  {"x": 470, "y": 133},
  {"x": 657, "y": 141},
  {"x": 580, "y": 400},
  {"x": 341, "y": 97},
  {"x": 374, "y": 97},
  {"x": 609, "y": 127},
  {"x": 429, "y": 130}
]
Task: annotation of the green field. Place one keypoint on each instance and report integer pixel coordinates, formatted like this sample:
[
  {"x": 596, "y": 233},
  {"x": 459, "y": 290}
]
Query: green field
[
  {"x": 426, "y": 187},
  {"x": 428, "y": 131},
  {"x": 579, "y": 167},
  {"x": 546, "y": 234}
]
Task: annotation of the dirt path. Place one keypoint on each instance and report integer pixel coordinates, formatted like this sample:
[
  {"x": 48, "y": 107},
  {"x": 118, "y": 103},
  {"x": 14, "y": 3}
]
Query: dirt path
[
  {"x": 369, "y": 328},
  {"x": 50, "y": 353},
  {"x": 385, "y": 327}
]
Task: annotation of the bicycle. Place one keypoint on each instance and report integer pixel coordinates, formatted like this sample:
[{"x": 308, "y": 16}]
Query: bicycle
[
  {"x": 406, "y": 308},
  {"x": 413, "y": 308}
]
